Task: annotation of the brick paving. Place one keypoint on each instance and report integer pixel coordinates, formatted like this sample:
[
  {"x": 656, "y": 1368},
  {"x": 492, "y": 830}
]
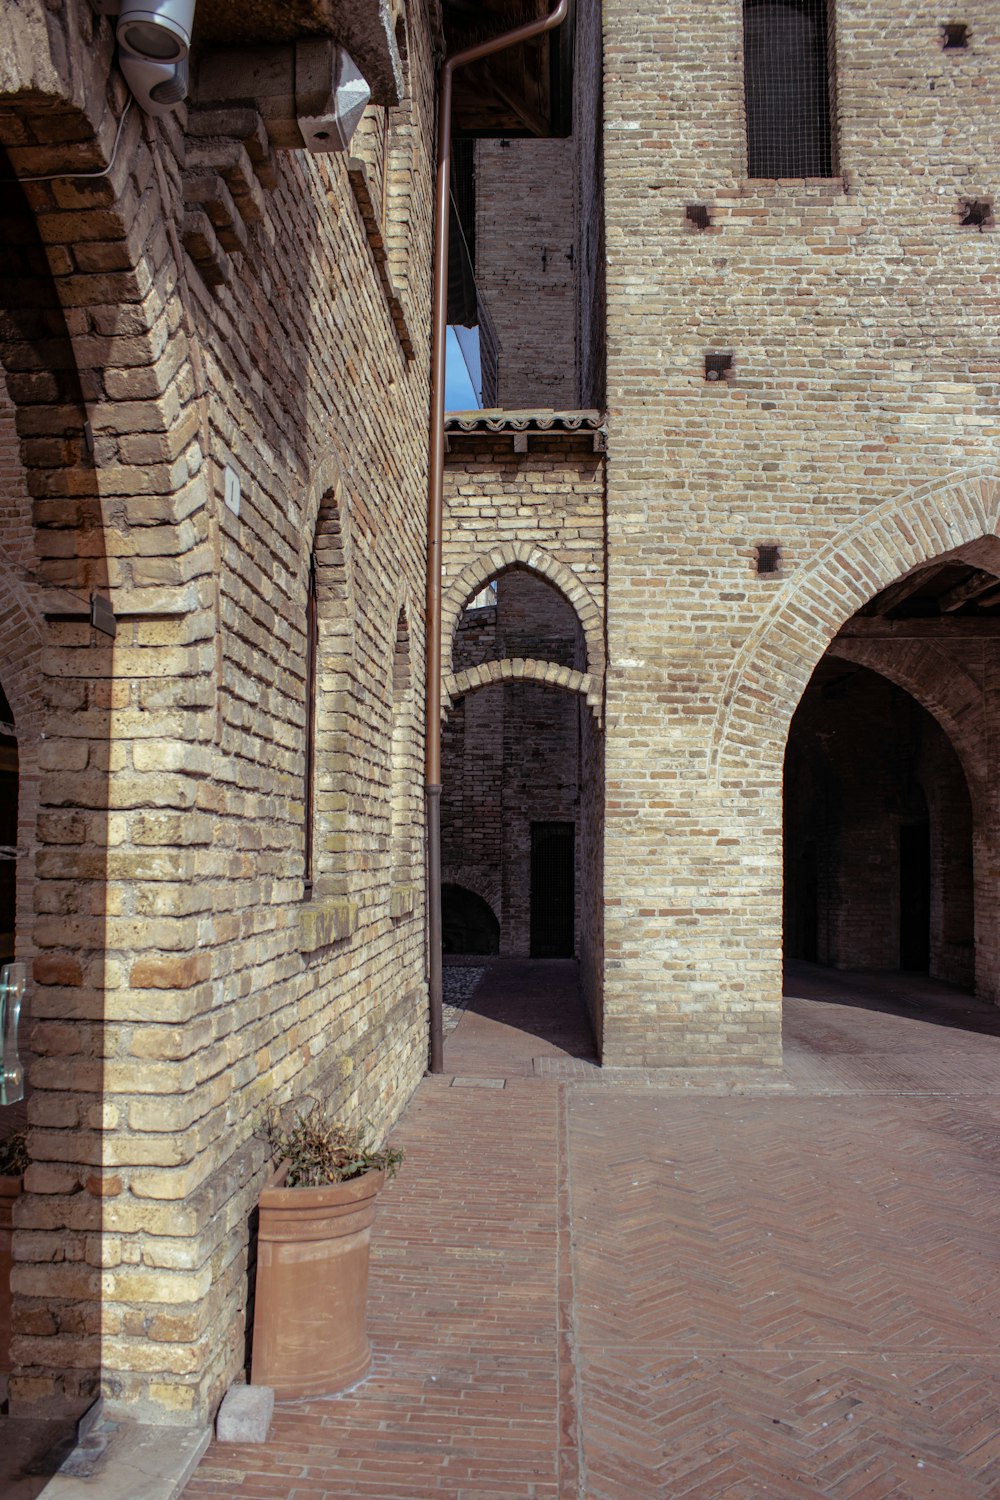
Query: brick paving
[{"x": 639, "y": 1290}]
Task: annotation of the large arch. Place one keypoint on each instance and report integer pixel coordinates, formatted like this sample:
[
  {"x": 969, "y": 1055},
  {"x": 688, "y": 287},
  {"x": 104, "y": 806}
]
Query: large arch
[{"x": 773, "y": 667}]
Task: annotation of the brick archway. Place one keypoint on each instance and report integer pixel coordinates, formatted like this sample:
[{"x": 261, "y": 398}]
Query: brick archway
[
  {"x": 771, "y": 671},
  {"x": 535, "y": 560},
  {"x": 518, "y": 669}
]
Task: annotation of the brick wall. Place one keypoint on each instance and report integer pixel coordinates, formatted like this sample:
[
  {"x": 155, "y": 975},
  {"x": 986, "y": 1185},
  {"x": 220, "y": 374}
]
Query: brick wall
[
  {"x": 860, "y": 419},
  {"x": 181, "y": 983},
  {"x": 20, "y": 661}
]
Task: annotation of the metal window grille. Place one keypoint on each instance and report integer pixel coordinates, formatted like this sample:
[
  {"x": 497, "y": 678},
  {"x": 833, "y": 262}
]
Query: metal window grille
[{"x": 786, "y": 48}]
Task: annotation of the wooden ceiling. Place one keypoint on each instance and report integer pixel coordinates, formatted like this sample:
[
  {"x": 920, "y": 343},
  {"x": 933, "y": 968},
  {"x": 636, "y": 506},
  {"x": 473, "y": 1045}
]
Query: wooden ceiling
[
  {"x": 941, "y": 591},
  {"x": 946, "y": 599},
  {"x": 522, "y": 91}
]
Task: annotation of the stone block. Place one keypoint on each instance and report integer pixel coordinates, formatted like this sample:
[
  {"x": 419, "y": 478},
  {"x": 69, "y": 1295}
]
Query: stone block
[{"x": 245, "y": 1414}]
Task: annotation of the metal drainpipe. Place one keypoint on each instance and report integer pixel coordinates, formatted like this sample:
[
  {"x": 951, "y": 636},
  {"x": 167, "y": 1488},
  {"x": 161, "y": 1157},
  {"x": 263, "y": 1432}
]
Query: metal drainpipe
[{"x": 435, "y": 503}]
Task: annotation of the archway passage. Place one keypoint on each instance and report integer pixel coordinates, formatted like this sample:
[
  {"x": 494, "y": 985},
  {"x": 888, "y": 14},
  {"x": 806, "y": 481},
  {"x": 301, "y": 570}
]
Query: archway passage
[
  {"x": 878, "y": 832},
  {"x": 521, "y": 807},
  {"x": 514, "y": 754},
  {"x": 468, "y": 923}
]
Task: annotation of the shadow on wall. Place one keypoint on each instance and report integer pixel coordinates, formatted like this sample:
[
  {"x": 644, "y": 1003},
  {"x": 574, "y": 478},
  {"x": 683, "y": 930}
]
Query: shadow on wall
[{"x": 57, "y": 682}]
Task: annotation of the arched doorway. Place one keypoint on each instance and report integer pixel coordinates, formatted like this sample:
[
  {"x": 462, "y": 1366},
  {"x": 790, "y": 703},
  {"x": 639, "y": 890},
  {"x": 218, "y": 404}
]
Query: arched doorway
[
  {"x": 513, "y": 749},
  {"x": 878, "y": 832},
  {"x": 521, "y": 809}
]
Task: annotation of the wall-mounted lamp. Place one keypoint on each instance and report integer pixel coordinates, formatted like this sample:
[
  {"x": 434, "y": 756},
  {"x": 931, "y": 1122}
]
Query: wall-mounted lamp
[{"x": 154, "y": 38}]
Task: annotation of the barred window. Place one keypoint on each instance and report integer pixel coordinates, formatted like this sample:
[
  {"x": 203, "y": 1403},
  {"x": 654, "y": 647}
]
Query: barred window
[{"x": 786, "y": 50}]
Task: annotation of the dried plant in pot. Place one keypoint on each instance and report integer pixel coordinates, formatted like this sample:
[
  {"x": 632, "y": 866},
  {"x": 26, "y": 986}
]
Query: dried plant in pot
[
  {"x": 13, "y": 1165},
  {"x": 310, "y": 1334}
]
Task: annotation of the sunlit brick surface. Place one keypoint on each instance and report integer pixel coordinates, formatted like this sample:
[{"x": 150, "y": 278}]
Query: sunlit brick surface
[{"x": 681, "y": 1285}]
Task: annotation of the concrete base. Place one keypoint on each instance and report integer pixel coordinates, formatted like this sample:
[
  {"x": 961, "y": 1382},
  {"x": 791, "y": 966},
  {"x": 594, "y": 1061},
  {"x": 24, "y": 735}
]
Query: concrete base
[
  {"x": 129, "y": 1461},
  {"x": 245, "y": 1414}
]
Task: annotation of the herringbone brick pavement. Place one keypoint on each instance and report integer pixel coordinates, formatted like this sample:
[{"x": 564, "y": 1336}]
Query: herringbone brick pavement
[{"x": 592, "y": 1290}]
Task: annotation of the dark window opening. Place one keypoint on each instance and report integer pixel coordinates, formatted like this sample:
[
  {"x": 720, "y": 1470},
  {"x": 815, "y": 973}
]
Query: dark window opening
[
  {"x": 718, "y": 366},
  {"x": 977, "y": 213},
  {"x": 768, "y": 557},
  {"x": 463, "y": 190},
  {"x": 915, "y": 896},
  {"x": 954, "y": 34},
  {"x": 698, "y": 216},
  {"x": 786, "y": 46},
  {"x": 553, "y": 881}
]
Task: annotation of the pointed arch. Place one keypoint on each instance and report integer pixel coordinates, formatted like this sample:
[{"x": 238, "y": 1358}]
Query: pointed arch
[
  {"x": 328, "y": 652},
  {"x": 533, "y": 559},
  {"x": 404, "y": 765},
  {"x": 327, "y": 520},
  {"x": 770, "y": 672}
]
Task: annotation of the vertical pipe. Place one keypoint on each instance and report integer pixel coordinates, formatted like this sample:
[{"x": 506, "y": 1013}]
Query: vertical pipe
[{"x": 435, "y": 504}]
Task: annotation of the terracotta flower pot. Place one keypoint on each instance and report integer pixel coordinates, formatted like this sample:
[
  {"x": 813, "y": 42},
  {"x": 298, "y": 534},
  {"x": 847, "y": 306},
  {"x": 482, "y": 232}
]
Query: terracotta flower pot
[
  {"x": 10, "y": 1188},
  {"x": 310, "y": 1334}
]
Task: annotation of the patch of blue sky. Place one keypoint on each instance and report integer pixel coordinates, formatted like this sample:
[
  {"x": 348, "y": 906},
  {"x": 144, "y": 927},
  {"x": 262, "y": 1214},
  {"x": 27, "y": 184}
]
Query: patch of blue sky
[{"x": 459, "y": 392}]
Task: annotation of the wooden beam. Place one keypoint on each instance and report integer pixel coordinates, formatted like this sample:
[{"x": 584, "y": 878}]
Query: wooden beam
[
  {"x": 874, "y": 628},
  {"x": 519, "y": 106},
  {"x": 897, "y": 592},
  {"x": 962, "y": 593}
]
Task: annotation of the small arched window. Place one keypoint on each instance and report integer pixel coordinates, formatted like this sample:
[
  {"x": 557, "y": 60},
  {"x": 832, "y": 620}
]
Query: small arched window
[
  {"x": 403, "y": 758},
  {"x": 312, "y": 656},
  {"x": 786, "y": 53}
]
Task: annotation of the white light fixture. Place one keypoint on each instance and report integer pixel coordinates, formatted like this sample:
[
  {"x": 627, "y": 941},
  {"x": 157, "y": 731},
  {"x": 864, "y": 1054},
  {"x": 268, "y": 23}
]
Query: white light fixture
[
  {"x": 158, "y": 87},
  {"x": 154, "y": 37},
  {"x": 157, "y": 30}
]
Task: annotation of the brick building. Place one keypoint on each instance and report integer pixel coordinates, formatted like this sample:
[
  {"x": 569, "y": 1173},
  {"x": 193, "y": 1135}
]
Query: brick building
[
  {"x": 794, "y": 285},
  {"x": 740, "y": 492}
]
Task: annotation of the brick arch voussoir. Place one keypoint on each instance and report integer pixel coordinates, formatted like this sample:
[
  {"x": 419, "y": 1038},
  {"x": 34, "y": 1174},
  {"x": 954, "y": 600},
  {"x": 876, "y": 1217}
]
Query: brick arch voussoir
[
  {"x": 471, "y": 878},
  {"x": 773, "y": 667},
  {"x": 533, "y": 559},
  {"x": 522, "y": 669}
]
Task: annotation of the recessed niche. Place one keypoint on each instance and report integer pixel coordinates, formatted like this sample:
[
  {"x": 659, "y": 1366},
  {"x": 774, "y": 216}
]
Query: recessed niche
[
  {"x": 698, "y": 216},
  {"x": 718, "y": 367},
  {"x": 954, "y": 34},
  {"x": 976, "y": 213},
  {"x": 768, "y": 557}
]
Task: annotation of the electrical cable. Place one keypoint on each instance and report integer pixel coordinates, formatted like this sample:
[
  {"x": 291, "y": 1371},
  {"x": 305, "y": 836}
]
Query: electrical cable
[{"x": 90, "y": 176}]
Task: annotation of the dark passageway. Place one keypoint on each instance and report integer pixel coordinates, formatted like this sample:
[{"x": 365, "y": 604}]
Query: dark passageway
[{"x": 878, "y": 832}]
